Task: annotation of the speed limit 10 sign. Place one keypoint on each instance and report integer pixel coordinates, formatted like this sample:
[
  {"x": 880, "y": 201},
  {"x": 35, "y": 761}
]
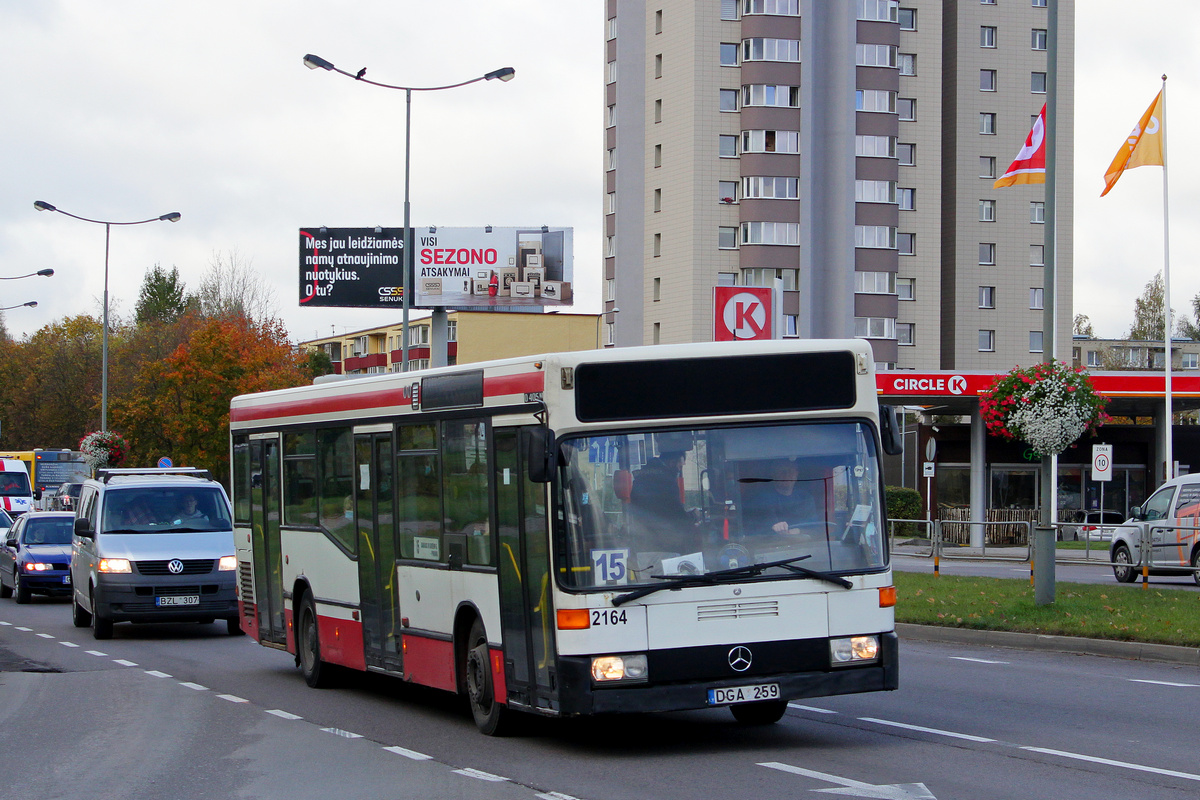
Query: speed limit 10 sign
[{"x": 1102, "y": 462}]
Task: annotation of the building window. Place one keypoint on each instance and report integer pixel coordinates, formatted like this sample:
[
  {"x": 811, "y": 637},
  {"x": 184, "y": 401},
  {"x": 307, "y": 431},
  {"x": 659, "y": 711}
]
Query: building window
[
  {"x": 771, "y": 187},
  {"x": 612, "y": 72},
  {"x": 874, "y": 236},
  {"x": 658, "y": 66},
  {"x": 779, "y": 8},
  {"x": 612, "y": 115},
  {"x": 657, "y": 289},
  {"x": 658, "y": 155},
  {"x": 612, "y": 203},
  {"x": 727, "y": 238},
  {"x": 773, "y": 95},
  {"x": 610, "y": 246},
  {"x": 612, "y": 158},
  {"x": 610, "y": 289},
  {"x": 726, "y": 279},
  {"x": 877, "y": 10},
  {"x": 875, "y": 282},
  {"x": 907, "y": 62},
  {"x": 1037, "y": 255},
  {"x": 987, "y": 210},
  {"x": 729, "y": 99},
  {"x": 729, "y": 9},
  {"x": 875, "y": 146},
  {"x": 875, "y": 55},
  {"x": 1039, "y": 3},
  {"x": 875, "y": 191},
  {"x": 904, "y": 333},
  {"x": 657, "y": 245},
  {"x": 906, "y": 108},
  {"x": 771, "y": 50},
  {"x": 657, "y": 200},
  {"x": 451, "y": 330},
  {"x": 987, "y": 2},
  {"x": 1038, "y": 39},
  {"x": 987, "y": 296},
  {"x": 612, "y": 27},
  {"x": 906, "y": 243},
  {"x": 765, "y": 276},
  {"x": 906, "y": 199},
  {"x": 987, "y": 80},
  {"x": 658, "y": 110},
  {"x": 987, "y": 123},
  {"x": 907, "y": 154},
  {"x": 907, "y": 19},
  {"x": 987, "y": 36},
  {"x": 987, "y": 253},
  {"x": 727, "y": 146},
  {"x": 1037, "y": 82},
  {"x": 1037, "y": 299},
  {"x": 1037, "y": 212},
  {"x": 1188, "y": 360},
  {"x": 987, "y": 341},
  {"x": 1094, "y": 358},
  {"x": 658, "y": 21},
  {"x": 727, "y": 191},
  {"x": 906, "y": 288},
  {"x": 787, "y": 233},
  {"x": 729, "y": 54},
  {"x": 771, "y": 141},
  {"x": 1035, "y": 341},
  {"x": 987, "y": 166},
  {"x": 875, "y": 100},
  {"x": 875, "y": 327}
]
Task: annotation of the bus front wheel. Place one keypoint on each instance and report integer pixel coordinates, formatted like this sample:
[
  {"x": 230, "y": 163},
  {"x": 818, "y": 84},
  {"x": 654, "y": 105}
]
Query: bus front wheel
[
  {"x": 763, "y": 712},
  {"x": 317, "y": 673},
  {"x": 488, "y": 713}
]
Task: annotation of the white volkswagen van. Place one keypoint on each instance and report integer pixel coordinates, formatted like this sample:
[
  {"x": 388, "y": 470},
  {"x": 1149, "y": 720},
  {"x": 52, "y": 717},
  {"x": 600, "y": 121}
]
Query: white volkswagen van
[{"x": 1171, "y": 519}]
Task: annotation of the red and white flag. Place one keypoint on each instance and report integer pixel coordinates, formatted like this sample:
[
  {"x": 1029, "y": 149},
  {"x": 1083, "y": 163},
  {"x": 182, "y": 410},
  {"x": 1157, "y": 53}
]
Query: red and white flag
[{"x": 1030, "y": 164}]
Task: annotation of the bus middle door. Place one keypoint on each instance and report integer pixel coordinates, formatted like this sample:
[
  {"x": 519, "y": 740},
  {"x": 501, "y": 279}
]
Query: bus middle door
[{"x": 375, "y": 519}]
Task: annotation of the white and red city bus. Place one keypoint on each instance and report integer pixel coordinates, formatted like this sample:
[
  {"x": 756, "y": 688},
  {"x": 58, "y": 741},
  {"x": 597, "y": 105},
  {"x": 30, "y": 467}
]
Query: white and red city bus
[{"x": 635, "y": 529}]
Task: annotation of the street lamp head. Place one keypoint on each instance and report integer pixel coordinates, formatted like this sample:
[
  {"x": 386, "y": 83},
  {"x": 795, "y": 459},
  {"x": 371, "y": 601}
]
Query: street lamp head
[
  {"x": 31, "y": 304},
  {"x": 172, "y": 217},
  {"x": 316, "y": 62},
  {"x": 42, "y": 205},
  {"x": 45, "y": 272},
  {"x": 504, "y": 74}
]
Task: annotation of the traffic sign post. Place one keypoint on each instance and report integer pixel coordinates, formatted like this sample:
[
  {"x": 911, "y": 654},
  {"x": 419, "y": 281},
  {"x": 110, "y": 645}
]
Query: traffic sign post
[{"x": 1102, "y": 470}]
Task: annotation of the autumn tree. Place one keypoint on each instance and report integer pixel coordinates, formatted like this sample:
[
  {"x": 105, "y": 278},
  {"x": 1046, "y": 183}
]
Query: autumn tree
[{"x": 231, "y": 288}]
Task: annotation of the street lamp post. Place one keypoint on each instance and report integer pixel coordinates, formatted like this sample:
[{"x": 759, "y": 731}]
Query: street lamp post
[
  {"x": 504, "y": 74},
  {"x": 173, "y": 216}
]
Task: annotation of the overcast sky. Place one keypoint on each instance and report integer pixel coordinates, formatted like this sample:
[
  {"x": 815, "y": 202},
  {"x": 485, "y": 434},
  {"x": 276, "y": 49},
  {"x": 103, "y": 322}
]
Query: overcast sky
[{"x": 129, "y": 109}]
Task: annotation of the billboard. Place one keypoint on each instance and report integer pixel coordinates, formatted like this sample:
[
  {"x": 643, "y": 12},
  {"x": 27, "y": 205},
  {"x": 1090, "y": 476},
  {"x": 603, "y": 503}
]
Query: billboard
[{"x": 474, "y": 268}]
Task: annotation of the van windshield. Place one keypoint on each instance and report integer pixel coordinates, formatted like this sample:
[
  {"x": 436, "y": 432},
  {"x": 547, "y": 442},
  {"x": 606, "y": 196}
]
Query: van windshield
[
  {"x": 14, "y": 484},
  {"x": 175, "y": 509}
]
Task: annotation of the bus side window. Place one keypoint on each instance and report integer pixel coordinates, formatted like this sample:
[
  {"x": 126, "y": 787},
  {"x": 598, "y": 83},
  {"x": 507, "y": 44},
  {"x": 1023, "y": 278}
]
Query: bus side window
[{"x": 465, "y": 489}]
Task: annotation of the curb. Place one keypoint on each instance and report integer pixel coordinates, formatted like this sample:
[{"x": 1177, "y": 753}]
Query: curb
[{"x": 1137, "y": 651}]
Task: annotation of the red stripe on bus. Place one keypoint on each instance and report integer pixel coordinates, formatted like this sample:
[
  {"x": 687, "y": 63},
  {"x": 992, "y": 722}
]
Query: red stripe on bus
[
  {"x": 429, "y": 662},
  {"x": 341, "y": 642},
  {"x": 501, "y": 385}
]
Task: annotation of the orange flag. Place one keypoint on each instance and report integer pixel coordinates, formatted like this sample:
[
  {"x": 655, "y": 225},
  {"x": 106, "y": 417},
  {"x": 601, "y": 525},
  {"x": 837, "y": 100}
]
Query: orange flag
[
  {"x": 1030, "y": 163},
  {"x": 1143, "y": 147}
]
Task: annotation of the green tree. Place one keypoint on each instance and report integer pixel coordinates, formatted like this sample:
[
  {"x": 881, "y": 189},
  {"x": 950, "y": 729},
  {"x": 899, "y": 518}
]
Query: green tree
[
  {"x": 162, "y": 298},
  {"x": 1148, "y": 314},
  {"x": 1082, "y": 326}
]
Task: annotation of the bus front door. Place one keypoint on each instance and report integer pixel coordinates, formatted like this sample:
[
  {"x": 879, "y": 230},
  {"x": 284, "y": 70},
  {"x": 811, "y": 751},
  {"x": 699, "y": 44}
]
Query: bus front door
[
  {"x": 375, "y": 519},
  {"x": 264, "y": 524},
  {"x": 526, "y": 609}
]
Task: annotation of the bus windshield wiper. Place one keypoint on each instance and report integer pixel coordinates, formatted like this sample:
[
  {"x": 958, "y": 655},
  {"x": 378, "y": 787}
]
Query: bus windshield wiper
[{"x": 679, "y": 581}]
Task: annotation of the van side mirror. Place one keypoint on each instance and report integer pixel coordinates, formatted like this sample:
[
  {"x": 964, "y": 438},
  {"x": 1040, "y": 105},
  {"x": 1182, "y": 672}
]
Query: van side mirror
[
  {"x": 540, "y": 454},
  {"x": 889, "y": 431},
  {"x": 1136, "y": 513},
  {"x": 83, "y": 528}
]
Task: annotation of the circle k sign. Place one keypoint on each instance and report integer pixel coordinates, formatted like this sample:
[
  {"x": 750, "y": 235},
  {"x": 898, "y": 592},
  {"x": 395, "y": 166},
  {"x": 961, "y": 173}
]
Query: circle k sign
[{"x": 741, "y": 313}]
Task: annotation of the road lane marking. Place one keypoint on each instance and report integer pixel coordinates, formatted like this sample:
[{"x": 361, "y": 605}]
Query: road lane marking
[
  {"x": 342, "y": 733},
  {"x": 554, "y": 796},
  {"x": 895, "y": 791},
  {"x": 923, "y": 729},
  {"x": 283, "y": 715},
  {"x": 1167, "y": 683},
  {"x": 153, "y": 673},
  {"x": 46, "y": 636},
  {"x": 195, "y": 686},
  {"x": 68, "y": 644},
  {"x": 95, "y": 653},
  {"x": 2, "y": 622},
  {"x": 978, "y": 660},
  {"x": 1110, "y": 762},
  {"x": 233, "y": 698},
  {"x": 22, "y": 628},
  {"x": 811, "y": 708},
  {"x": 479, "y": 774},
  {"x": 413, "y": 754},
  {"x": 124, "y": 663}
]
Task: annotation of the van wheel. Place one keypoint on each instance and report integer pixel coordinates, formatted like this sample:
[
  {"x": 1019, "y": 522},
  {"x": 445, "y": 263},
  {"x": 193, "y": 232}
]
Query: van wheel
[
  {"x": 1196, "y": 566},
  {"x": 80, "y": 617},
  {"x": 317, "y": 673},
  {"x": 489, "y": 715},
  {"x": 1123, "y": 569},
  {"x": 763, "y": 712},
  {"x": 102, "y": 627},
  {"x": 20, "y": 589}
]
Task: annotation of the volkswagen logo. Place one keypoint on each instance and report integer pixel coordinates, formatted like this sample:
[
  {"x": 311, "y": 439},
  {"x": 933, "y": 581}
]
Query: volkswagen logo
[
  {"x": 175, "y": 566},
  {"x": 740, "y": 658}
]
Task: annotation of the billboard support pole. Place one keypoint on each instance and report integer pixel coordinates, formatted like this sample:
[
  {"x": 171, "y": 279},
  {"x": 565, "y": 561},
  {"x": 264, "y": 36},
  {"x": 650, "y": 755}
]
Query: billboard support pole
[{"x": 406, "y": 278}]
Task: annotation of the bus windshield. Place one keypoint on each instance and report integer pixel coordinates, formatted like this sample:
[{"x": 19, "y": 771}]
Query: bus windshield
[{"x": 647, "y": 507}]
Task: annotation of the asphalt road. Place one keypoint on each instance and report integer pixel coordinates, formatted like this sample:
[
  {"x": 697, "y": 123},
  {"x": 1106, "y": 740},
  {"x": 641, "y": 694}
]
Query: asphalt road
[{"x": 183, "y": 711}]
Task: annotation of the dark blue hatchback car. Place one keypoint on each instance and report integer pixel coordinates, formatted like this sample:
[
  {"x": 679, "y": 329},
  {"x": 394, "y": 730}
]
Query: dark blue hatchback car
[{"x": 36, "y": 555}]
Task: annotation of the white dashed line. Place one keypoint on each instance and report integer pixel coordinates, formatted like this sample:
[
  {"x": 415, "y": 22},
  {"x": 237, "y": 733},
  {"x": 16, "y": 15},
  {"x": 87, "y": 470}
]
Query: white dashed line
[
  {"x": 413, "y": 754},
  {"x": 195, "y": 686},
  {"x": 6, "y": 624},
  {"x": 554, "y": 796},
  {"x": 46, "y": 636},
  {"x": 811, "y": 708},
  {"x": 153, "y": 673},
  {"x": 1167, "y": 683},
  {"x": 1096, "y": 760},
  {"x": 124, "y": 663},
  {"x": 233, "y": 698},
  {"x": 22, "y": 628},
  {"x": 479, "y": 774},
  {"x": 96, "y": 653},
  {"x": 68, "y": 644},
  {"x": 923, "y": 729},
  {"x": 283, "y": 714},
  {"x": 342, "y": 733},
  {"x": 977, "y": 660}
]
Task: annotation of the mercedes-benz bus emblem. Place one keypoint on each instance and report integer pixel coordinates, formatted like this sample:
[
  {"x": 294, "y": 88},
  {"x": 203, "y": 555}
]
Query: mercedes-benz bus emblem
[{"x": 740, "y": 658}]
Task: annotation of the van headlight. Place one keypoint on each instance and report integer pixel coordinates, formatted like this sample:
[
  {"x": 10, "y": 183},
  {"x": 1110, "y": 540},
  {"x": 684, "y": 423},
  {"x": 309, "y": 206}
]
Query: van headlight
[
  {"x": 853, "y": 650},
  {"x": 114, "y": 565},
  {"x": 227, "y": 564},
  {"x": 619, "y": 668}
]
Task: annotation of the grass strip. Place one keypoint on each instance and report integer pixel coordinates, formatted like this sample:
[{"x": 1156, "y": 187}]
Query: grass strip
[{"x": 1124, "y": 613}]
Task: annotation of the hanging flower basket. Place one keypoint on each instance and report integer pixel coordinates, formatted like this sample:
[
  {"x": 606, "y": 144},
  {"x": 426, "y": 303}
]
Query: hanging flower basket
[
  {"x": 1047, "y": 405},
  {"x": 103, "y": 449}
]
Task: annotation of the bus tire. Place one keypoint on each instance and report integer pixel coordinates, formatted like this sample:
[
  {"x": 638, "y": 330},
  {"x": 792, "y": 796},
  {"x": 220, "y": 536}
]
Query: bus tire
[
  {"x": 488, "y": 713},
  {"x": 80, "y": 617},
  {"x": 233, "y": 627},
  {"x": 317, "y": 673},
  {"x": 1123, "y": 569},
  {"x": 762, "y": 712}
]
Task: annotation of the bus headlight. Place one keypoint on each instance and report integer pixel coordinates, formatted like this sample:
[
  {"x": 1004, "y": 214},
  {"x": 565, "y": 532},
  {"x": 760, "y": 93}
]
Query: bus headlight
[
  {"x": 619, "y": 668},
  {"x": 853, "y": 650}
]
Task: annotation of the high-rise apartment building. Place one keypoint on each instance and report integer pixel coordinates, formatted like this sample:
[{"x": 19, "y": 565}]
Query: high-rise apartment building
[{"x": 843, "y": 150}]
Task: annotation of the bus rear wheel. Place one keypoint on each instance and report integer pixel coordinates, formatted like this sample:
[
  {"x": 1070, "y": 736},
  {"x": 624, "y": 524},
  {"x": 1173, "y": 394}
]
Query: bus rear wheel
[
  {"x": 317, "y": 673},
  {"x": 763, "y": 712},
  {"x": 488, "y": 713}
]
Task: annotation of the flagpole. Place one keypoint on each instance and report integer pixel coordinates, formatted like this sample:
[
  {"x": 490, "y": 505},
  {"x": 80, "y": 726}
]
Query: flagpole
[{"x": 1168, "y": 444}]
